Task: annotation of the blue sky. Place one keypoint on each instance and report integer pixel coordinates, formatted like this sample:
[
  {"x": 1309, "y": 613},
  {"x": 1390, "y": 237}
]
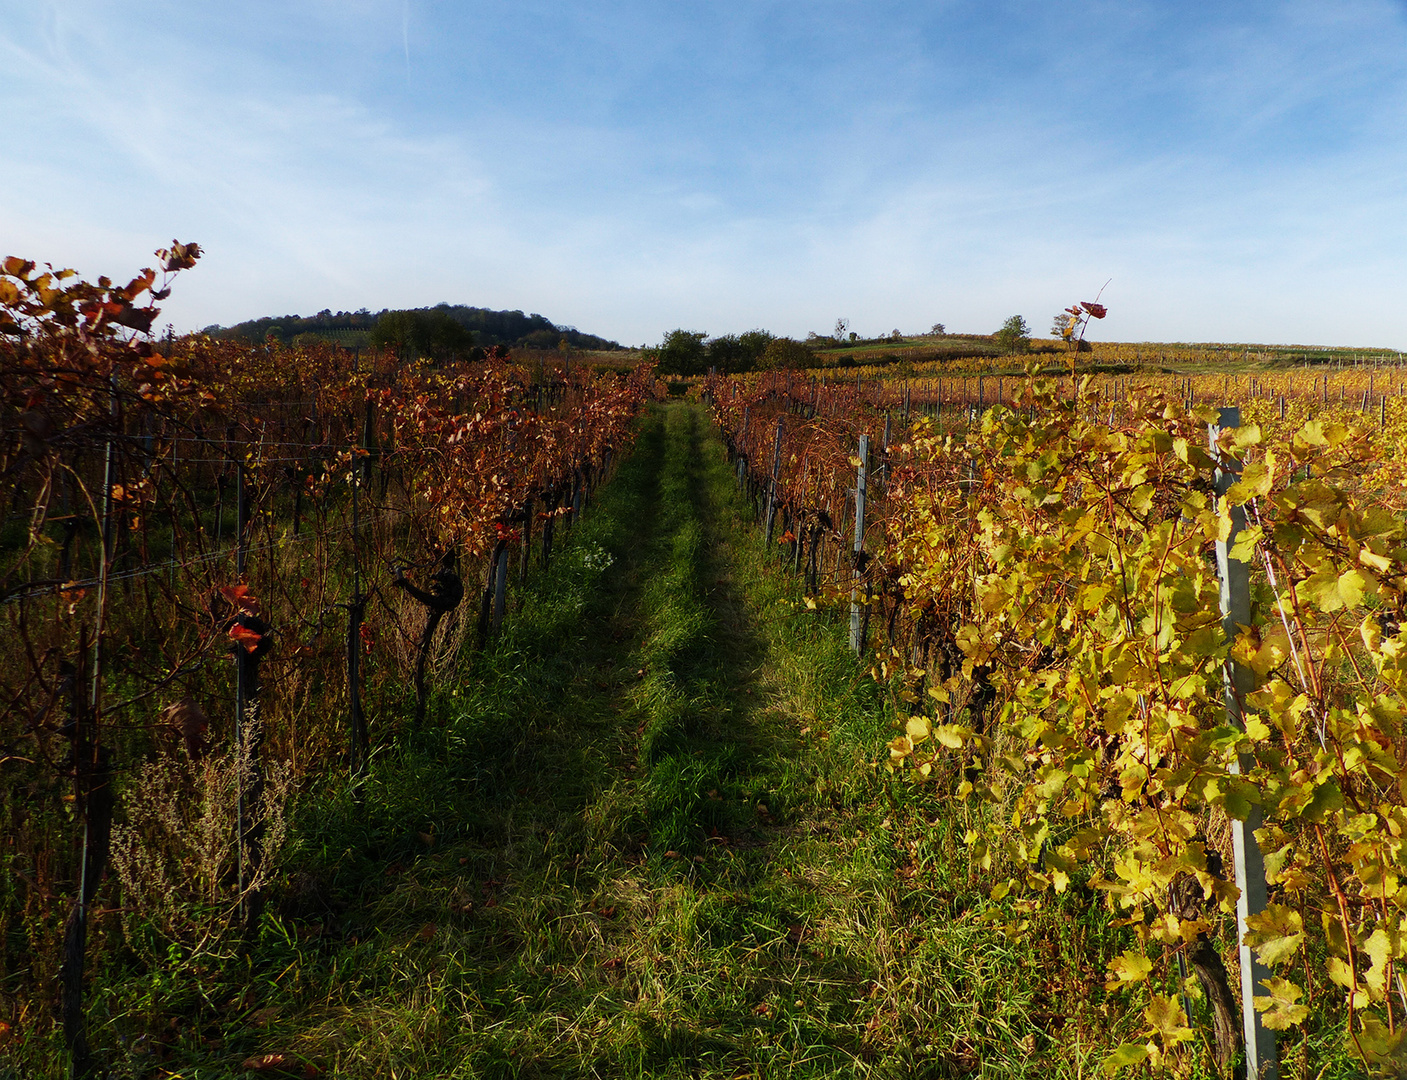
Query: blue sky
[{"x": 1239, "y": 170}]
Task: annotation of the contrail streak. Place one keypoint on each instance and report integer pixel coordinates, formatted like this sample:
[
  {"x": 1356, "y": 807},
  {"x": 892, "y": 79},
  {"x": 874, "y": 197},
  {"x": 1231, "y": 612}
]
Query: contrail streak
[{"x": 405, "y": 35}]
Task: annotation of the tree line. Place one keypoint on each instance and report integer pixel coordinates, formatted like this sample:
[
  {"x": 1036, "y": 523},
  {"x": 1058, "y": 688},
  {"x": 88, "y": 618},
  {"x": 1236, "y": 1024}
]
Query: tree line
[
  {"x": 693, "y": 352},
  {"x": 442, "y": 329}
]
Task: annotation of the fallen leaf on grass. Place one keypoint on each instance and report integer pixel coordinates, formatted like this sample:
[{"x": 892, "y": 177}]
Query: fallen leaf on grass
[
  {"x": 762, "y": 1010},
  {"x": 286, "y": 1064},
  {"x": 426, "y": 932}
]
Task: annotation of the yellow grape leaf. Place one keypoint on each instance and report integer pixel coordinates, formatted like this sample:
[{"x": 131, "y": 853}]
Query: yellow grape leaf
[
  {"x": 1256, "y": 728},
  {"x": 918, "y": 728},
  {"x": 1274, "y": 650},
  {"x": 1384, "y": 1049},
  {"x": 1373, "y": 561},
  {"x": 953, "y": 736},
  {"x": 1371, "y": 632},
  {"x": 1279, "y": 1008},
  {"x": 1127, "y": 1054},
  {"x": 1320, "y": 433},
  {"x": 1340, "y": 972},
  {"x": 1380, "y": 947},
  {"x": 1244, "y": 549},
  {"x": 1187, "y": 686},
  {"x": 1331, "y": 592},
  {"x": 1276, "y": 933},
  {"x": 1352, "y": 585},
  {"x": 1223, "y": 521},
  {"x": 1246, "y": 435},
  {"x": 1127, "y": 969},
  {"x": 1255, "y": 481},
  {"x": 1165, "y": 1016}
]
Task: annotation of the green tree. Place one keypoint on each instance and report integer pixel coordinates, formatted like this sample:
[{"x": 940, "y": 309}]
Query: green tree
[
  {"x": 754, "y": 345},
  {"x": 726, "y": 354},
  {"x": 1014, "y": 336},
  {"x": 394, "y": 330},
  {"x": 683, "y": 353},
  {"x": 785, "y": 352},
  {"x": 412, "y": 334}
]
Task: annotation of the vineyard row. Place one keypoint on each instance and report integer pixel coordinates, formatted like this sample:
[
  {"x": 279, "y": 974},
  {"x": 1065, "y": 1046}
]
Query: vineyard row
[
  {"x": 1040, "y": 582},
  {"x": 225, "y": 571}
]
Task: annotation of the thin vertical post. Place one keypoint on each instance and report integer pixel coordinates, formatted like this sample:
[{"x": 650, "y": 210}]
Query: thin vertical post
[
  {"x": 776, "y": 481},
  {"x": 241, "y": 689},
  {"x": 527, "y": 541},
  {"x": 500, "y": 587},
  {"x": 884, "y": 450},
  {"x": 1238, "y": 681},
  {"x": 856, "y": 615},
  {"x": 356, "y": 611}
]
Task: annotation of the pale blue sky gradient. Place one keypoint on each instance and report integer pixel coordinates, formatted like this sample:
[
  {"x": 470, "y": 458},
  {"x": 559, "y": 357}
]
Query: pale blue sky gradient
[{"x": 1239, "y": 170}]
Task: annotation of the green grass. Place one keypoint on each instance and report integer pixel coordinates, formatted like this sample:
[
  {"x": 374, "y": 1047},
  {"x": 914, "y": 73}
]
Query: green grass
[{"x": 649, "y": 842}]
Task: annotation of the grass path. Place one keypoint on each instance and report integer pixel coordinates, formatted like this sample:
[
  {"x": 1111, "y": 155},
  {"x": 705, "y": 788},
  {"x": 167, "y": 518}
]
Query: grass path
[{"x": 648, "y": 843}]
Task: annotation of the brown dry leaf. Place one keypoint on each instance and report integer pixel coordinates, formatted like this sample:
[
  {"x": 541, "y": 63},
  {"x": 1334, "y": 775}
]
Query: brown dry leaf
[
  {"x": 426, "y": 932},
  {"x": 281, "y": 1063},
  {"x": 187, "y": 720},
  {"x": 264, "y": 1062}
]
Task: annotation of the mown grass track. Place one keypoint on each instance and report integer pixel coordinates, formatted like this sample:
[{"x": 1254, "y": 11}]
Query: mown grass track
[{"x": 649, "y": 843}]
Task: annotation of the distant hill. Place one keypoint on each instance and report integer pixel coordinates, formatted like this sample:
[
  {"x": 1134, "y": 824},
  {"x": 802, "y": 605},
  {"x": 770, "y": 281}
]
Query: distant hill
[{"x": 351, "y": 328}]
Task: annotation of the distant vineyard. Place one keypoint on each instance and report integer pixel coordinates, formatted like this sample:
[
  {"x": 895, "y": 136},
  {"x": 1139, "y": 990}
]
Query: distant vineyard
[{"x": 974, "y": 355}]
